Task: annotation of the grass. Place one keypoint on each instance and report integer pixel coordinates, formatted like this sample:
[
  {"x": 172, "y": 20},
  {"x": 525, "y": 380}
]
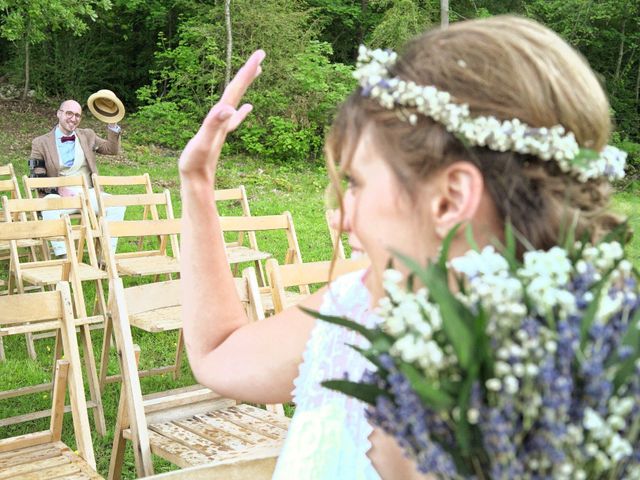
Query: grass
[{"x": 272, "y": 189}]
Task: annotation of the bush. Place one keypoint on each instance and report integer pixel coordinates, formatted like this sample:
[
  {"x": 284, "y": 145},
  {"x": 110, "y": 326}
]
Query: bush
[
  {"x": 281, "y": 140},
  {"x": 162, "y": 123}
]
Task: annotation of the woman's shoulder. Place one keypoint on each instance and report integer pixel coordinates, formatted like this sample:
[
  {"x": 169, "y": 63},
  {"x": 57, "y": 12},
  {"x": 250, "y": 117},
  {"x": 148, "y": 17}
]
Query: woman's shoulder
[{"x": 346, "y": 293}]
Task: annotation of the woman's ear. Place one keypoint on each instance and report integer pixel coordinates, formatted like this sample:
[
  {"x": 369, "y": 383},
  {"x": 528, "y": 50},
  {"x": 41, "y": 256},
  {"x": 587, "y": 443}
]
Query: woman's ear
[{"x": 458, "y": 193}]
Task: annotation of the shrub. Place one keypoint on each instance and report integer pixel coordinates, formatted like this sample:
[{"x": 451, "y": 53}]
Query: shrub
[{"x": 162, "y": 123}]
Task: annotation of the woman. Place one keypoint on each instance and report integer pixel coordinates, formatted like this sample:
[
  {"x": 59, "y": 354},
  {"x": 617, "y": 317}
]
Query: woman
[{"x": 415, "y": 171}]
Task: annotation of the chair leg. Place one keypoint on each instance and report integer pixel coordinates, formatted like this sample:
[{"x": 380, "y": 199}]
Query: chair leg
[
  {"x": 104, "y": 356},
  {"x": 261, "y": 275},
  {"x": 2, "y": 356},
  {"x": 119, "y": 442},
  {"x": 31, "y": 347},
  {"x": 179, "y": 349},
  {"x": 92, "y": 378}
]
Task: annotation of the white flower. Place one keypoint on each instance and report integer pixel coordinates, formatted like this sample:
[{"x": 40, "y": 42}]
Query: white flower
[
  {"x": 619, "y": 448},
  {"x": 493, "y": 384},
  {"x": 473, "y": 415}
]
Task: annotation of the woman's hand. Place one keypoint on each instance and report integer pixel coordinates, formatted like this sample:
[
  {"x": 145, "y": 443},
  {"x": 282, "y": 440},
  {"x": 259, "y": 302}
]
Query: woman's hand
[
  {"x": 199, "y": 159},
  {"x": 389, "y": 459}
]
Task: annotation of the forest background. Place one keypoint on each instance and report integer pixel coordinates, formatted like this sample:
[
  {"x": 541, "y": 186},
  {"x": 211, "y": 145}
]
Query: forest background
[{"x": 169, "y": 59}]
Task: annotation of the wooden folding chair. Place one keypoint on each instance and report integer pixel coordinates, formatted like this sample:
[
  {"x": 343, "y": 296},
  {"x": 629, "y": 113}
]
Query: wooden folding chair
[
  {"x": 236, "y": 248},
  {"x": 29, "y": 247},
  {"x": 42, "y": 454},
  {"x": 191, "y": 425},
  {"x": 282, "y": 277},
  {"x": 47, "y": 273},
  {"x": 139, "y": 264}
]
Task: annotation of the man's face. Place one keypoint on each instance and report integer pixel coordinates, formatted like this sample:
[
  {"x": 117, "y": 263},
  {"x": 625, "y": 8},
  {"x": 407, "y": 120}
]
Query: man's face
[{"x": 69, "y": 116}]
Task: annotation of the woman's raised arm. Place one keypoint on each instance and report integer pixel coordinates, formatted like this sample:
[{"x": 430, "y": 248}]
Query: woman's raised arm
[{"x": 226, "y": 352}]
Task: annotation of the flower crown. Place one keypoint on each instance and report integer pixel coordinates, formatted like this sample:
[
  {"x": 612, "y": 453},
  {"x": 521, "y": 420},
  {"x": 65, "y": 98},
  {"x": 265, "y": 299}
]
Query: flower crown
[{"x": 552, "y": 143}]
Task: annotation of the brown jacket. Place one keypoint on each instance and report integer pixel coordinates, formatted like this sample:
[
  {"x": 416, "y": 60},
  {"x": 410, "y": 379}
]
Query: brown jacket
[{"x": 44, "y": 148}]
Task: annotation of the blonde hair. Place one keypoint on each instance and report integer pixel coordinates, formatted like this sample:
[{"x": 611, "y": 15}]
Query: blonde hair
[{"x": 507, "y": 67}]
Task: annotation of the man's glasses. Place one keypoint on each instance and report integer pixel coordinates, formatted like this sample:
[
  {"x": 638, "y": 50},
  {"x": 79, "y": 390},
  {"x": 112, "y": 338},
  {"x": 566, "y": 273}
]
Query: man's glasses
[{"x": 70, "y": 114}]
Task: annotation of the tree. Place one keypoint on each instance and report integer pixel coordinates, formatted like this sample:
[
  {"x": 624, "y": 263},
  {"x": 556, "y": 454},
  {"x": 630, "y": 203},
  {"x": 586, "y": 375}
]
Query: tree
[
  {"x": 444, "y": 13},
  {"x": 29, "y": 21},
  {"x": 227, "y": 21}
]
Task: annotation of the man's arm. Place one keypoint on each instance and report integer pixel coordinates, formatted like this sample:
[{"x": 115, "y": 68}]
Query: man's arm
[{"x": 110, "y": 146}]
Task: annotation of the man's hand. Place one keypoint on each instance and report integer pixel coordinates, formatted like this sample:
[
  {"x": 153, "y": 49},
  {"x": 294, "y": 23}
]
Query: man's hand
[{"x": 199, "y": 159}]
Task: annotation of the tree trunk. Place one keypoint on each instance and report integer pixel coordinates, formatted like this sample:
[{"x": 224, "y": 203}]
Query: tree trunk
[
  {"x": 638, "y": 85},
  {"x": 227, "y": 18},
  {"x": 621, "y": 50},
  {"x": 363, "y": 16},
  {"x": 444, "y": 13},
  {"x": 25, "y": 92}
]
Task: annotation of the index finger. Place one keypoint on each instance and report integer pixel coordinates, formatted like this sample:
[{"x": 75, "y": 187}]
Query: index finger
[{"x": 241, "y": 81}]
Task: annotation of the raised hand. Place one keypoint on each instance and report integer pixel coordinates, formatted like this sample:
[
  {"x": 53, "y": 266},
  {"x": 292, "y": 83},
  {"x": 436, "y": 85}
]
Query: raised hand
[{"x": 200, "y": 157}]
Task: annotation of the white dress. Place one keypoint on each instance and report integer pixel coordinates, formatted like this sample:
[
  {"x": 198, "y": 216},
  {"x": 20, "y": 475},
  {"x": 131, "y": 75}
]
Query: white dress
[{"x": 328, "y": 434}]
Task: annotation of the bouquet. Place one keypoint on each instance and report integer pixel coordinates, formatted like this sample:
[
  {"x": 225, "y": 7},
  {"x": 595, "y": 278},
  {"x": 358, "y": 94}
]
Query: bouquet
[{"x": 526, "y": 369}]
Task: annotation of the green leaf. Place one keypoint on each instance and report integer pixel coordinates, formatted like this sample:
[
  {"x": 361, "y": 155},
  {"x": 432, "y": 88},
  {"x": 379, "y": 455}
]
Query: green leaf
[
  {"x": 446, "y": 245},
  {"x": 434, "y": 397},
  {"x": 372, "y": 356},
  {"x": 369, "y": 334},
  {"x": 468, "y": 233},
  {"x": 590, "y": 313},
  {"x": 362, "y": 391},
  {"x": 457, "y": 320}
]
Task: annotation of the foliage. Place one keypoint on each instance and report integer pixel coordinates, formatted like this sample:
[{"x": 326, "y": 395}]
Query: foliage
[
  {"x": 173, "y": 50},
  {"x": 402, "y": 20},
  {"x": 163, "y": 123},
  {"x": 31, "y": 20}
]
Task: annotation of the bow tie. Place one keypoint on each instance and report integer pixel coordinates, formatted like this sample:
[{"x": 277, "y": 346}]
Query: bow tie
[{"x": 70, "y": 138}]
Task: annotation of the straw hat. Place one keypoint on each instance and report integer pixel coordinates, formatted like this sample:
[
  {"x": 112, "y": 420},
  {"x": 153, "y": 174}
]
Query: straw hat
[{"x": 106, "y": 107}]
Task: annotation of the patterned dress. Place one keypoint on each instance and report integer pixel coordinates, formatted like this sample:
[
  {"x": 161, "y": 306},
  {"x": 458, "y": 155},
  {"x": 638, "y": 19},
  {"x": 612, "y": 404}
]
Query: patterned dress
[{"x": 328, "y": 435}]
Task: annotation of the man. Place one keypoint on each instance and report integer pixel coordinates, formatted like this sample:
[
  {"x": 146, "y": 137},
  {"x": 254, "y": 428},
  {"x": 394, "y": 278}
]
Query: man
[{"x": 68, "y": 150}]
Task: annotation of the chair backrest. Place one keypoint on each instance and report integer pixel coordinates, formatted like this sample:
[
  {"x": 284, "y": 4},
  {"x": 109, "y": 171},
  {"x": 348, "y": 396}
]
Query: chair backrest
[
  {"x": 336, "y": 241},
  {"x": 117, "y": 185},
  {"x": 7, "y": 170},
  {"x": 239, "y": 196},
  {"x": 262, "y": 223},
  {"x": 150, "y": 202},
  {"x": 83, "y": 232},
  {"x": 38, "y": 312},
  {"x": 32, "y": 185},
  {"x": 282, "y": 277},
  {"x": 8, "y": 186}
]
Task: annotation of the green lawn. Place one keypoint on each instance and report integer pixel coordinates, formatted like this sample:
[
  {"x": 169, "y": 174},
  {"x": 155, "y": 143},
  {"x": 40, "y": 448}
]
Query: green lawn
[{"x": 272, "y": 189}]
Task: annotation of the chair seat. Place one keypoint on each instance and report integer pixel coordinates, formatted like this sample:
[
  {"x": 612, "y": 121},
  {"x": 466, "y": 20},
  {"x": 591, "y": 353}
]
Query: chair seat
[
  {"x": 240, "y": 254},
  {"x": 217, "y": 436},
  {"x": 158, "y": 320},
  {"x": 45, "y": 461},
  {"x": 147, "y": 265},
  {"x": 291, "y": 298},
  {"x": 52, "y": 274},
  {"x": 164, "y": 319}
]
